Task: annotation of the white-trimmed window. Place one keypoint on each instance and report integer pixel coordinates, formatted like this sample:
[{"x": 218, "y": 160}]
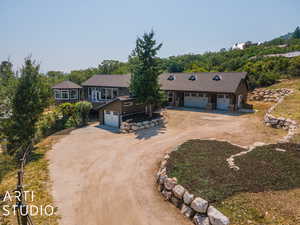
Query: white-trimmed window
[
  {"x": 73, "y": 94},
  {"x": 64, "y": 94},
  {"x": 194, "y": 94},
  {"x": 57, "y": 94},
  {"x": 187, "y": 94}
]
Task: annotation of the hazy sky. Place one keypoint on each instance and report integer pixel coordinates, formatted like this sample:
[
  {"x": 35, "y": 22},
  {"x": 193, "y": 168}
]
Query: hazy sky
[{"x": 77, "y": 34}]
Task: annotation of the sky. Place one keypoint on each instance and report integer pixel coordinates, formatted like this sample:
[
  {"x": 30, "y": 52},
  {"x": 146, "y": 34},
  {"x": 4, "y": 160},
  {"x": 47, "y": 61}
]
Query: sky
[{"x": 67, "y": 35}]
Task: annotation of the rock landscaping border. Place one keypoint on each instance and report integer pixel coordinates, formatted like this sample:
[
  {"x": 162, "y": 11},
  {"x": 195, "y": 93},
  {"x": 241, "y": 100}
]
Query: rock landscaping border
[
  {"x": 195, "y": 208},
  {"x": 269, "y": 95},
  {"x": 281, "y": 122},
  {"x": 127, "y": 127}
]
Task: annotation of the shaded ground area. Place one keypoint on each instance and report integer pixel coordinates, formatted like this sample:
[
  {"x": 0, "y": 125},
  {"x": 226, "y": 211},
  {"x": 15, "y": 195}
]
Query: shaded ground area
[{"x": 268, "y": 170}]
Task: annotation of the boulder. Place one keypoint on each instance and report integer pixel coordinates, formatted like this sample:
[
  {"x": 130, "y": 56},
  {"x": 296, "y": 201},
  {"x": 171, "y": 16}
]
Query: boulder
[
  {"x": 187, "y": 211},
  {"x": 199, "y": 205},
  {"x": 170, "y": 183},
  {"x": 200, "y": 219},
  {"x": 178, "y": 191},
  {"x": 188, "y": 198},
  {"x": 177, "y": 202},
  {"x": 167, "y": 194},
  {"x": 162, "y": 178},
  {"x": 216, "y": 217}
]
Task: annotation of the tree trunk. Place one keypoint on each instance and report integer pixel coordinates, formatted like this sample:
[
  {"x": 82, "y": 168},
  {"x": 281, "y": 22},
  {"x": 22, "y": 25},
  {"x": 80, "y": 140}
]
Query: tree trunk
[{"x": 150, "y": 110}]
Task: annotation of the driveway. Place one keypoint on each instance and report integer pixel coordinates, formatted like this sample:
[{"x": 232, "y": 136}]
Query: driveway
[{"x": 104, "y": 178}]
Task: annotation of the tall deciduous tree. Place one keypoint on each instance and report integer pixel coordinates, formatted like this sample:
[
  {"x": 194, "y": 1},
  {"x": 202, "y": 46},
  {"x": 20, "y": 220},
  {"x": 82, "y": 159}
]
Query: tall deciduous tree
[
  {"x": 30, "y": 99},
  {"x": 145, "y": 72}
]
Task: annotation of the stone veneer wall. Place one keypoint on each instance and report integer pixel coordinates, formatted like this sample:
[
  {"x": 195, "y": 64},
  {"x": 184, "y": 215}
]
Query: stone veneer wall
[
  {"x": 127, "y": 127},
  {"x": 281, "y": 122},
  {"x": 195, "y": 208}
]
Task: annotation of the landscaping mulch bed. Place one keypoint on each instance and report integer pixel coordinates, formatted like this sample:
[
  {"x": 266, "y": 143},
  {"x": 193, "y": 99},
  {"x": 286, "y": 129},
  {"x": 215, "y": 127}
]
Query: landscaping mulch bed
[
  {"x": 136, "y": 118},
  {"x": 201, "y": 167}
]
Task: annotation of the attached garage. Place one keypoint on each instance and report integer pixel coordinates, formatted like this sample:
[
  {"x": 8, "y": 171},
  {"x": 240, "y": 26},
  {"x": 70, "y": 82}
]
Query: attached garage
[
  {"x": 112, "y": 113},
  {"x": 195, "y": 100},
  {"x": 223, "y": 101},
  {"x": 111, "y": 118}
]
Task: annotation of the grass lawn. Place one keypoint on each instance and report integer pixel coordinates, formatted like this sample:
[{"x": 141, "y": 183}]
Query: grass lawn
[
  {"x": 266, "y": 189},
  {"x": 36, "y": 179}
]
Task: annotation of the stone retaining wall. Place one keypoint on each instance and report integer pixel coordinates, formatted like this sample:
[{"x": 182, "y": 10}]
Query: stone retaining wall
[
  {"x": 269, "y": 95},
  {"x": 281, "y": 122},
  {"x": 127, "y": 127},
  {"x": 195, "y": 208}
]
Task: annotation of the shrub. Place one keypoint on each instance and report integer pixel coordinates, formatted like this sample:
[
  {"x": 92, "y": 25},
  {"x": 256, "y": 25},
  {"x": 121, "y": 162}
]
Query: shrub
[{"x": 82, "y": 110}]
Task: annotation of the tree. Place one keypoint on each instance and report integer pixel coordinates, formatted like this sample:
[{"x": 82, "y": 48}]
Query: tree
[
  {"x": 294, "y": 67},
  {"x": 296, "y": 33},
  {"x": 83, "y": 109},
  {"x": 30, "y": 99},
  {"x": 144, "y": 83}
]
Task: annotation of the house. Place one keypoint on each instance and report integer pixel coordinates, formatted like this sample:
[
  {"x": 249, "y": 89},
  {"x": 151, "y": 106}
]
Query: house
[
  {"x": 104, "y": 88},
  {"x": 210, "y": 90},
  {"x": 67, "y": 91}
]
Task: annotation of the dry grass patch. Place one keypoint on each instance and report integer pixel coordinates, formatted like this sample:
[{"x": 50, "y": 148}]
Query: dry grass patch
[{"x": 36, "y": 179}]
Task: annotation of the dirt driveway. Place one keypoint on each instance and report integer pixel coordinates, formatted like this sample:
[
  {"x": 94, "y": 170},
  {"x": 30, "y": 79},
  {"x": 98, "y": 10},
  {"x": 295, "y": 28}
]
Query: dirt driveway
[{"x": 104, "y": 178}]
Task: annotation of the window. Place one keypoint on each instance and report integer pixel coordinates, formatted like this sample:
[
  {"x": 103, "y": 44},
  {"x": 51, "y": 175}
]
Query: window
[
  {"x": 73, "y": 94},
  {"x": 57, "y": 94},
  {"x": 64, "y": 94},
  {"x": 217, "y": 78},
  {"x": 187, "y": 94},
  {"x": 171, "y": 77},
  {"x": 107, "y": 112},
  {"x": 220, "y": 96},
  {"x": 170, "y": 94},
  {"x": 115, "y": 92},
  {"x": 193, "y": 77},
  {"x": 115, "y": 113},
  {"x": 194, "y": 94},
  {"x": 201, "y": 95}
]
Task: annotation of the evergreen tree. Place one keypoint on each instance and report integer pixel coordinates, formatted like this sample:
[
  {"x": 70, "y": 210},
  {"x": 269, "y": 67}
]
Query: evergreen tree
[
  {"x": 296, "y": 33},
  {"x": 30, "y": 99},
  {"x": 144, "y": 83}
]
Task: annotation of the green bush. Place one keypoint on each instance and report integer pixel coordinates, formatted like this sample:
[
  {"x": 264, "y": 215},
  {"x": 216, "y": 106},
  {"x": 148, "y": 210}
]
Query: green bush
[{"x": 82, "y": 110}]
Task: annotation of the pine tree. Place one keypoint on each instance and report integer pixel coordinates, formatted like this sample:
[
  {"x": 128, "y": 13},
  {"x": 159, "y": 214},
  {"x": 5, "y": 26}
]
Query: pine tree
[
  {"x": 28, "y": 103},
  {"x": 145, "y": 70},
  {"x": 296, "y": 33}
]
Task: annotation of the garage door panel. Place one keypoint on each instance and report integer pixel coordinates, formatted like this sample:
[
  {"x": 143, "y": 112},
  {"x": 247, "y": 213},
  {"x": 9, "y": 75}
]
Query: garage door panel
[
  {"x": 223, "y": 102},
  {"x": 111, "y": 118},
  {"x": 197, "y": 102}
]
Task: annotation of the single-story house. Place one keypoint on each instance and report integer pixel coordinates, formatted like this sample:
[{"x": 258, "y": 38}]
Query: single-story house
[
  {"x": 211, "y": 90},
  {"x": 67, "y": 91},
  {"x": 208, "y": 90},
  {"x": 115, "y": 111}
]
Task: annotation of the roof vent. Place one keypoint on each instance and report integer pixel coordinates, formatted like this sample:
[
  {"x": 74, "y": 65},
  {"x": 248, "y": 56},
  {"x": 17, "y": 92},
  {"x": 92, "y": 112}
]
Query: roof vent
[
  {"x": 217, "y": 78},
  {"x": 193, "y": 77},
  {"x": 171, "y": 77}
]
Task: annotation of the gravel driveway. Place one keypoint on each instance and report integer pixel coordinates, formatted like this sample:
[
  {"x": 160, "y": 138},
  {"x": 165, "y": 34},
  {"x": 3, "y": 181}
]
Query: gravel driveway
[{"x": 104, "y": 178}]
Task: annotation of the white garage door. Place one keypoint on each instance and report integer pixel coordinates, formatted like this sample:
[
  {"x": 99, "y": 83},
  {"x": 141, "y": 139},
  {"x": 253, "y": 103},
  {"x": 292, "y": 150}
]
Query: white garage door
[
  {"x": 223, "y": 102},
  {"x": 111, "y": 118},
  {"x": 195, "y": 100}
]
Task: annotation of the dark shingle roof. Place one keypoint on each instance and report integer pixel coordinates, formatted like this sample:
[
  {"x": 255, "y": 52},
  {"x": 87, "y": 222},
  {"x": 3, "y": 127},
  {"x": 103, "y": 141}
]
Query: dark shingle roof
[
  {"x": 204, "y": 81},
  {"x": 66, "y": 85},
  {"x": 113, "y": 80}
]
